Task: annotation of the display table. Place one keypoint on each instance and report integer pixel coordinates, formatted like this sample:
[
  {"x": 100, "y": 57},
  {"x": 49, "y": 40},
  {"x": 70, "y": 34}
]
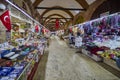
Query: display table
[
  {"x": 93, "y": 56},
  {"x": 111, "y": 63}
]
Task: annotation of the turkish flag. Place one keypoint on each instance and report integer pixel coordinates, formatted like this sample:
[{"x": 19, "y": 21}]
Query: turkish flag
[
  {"x": 57, "y": 24},
  {"x": 36, "y": 28},
  {"x": 5, "y": 18}
]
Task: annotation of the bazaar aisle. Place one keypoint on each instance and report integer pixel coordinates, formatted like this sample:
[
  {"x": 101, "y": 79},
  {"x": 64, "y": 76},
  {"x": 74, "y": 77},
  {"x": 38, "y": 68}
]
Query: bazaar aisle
[{"x": 64, "y": 64}]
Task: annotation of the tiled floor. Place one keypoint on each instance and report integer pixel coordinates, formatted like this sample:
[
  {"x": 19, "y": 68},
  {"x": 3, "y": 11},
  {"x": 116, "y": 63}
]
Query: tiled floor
[{"x": 64, "y": 64}]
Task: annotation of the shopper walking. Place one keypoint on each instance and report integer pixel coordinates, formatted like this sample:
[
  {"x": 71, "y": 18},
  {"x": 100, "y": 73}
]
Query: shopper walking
[{"x": 71, "y": 39}]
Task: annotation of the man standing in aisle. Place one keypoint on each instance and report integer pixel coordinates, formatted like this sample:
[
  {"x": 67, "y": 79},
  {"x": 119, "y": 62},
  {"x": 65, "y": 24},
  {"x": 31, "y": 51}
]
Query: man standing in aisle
[
  {"x": 78, "y": 42},
  {"x": 71, "y": 39}
]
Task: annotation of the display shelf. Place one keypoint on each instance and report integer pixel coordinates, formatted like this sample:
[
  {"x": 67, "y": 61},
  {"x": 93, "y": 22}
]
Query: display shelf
[
  {"x": 28, "y": 53},
  {"x": 28, "y": 67},
  {"x": 23, "y": 72},
  {"x": 93, "y": 56},
  {"x": 111, "y": 63},
  {"x": 31, "y": 75},
  {"x": 31, "y": 68}
]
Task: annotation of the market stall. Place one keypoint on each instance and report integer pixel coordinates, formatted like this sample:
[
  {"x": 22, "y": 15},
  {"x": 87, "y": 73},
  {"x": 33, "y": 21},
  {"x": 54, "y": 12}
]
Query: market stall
[
  {"x": 101, "y": 40},
  {"x": 19, "y": 62},
  {"x": 22, "y": 51}
]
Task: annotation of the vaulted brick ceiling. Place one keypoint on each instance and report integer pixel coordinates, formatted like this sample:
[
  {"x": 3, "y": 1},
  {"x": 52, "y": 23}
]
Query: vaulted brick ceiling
[
  {"x": 62, "y": 3},
  {"x": 81, "y": 4}
]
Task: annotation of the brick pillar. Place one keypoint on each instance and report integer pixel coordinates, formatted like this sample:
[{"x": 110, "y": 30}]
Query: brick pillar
[{"x": 88, "y": 14}]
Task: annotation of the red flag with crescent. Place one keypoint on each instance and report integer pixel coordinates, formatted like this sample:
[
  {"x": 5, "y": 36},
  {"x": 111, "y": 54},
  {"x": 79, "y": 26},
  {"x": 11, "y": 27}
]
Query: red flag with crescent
[
  {"x": 5, "y": 18},
  {"x": 57, "y": 24},
  {"x": 36, "y": 28}
]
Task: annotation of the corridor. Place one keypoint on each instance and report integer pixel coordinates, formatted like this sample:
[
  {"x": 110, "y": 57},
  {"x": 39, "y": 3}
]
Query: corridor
[{"x": 64, "y": 64}]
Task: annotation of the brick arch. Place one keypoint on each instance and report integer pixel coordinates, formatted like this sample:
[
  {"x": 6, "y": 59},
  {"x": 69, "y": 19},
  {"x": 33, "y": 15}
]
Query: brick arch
[
  {"x": 78, "y": 16},
  {"x": 55, "y": 15},
  {"x": 82, "y": 3},
  {"x": 111, "y": 6},
  {"x": 66, "y": 11},
  {"x": 88, "y": 14},
  {"x": 27, "y": 3},
  {"x": 50, "y": 20},
  {"x": 90, "y": 11}
]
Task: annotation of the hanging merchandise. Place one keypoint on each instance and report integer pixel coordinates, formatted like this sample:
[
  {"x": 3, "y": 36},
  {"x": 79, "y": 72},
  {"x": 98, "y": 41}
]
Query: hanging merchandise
[
  {"x": 113, "y": 21},
  {"x": 87, "y": 27},
  {"x": 5, "y": 18},
  {"x": 81, "y": 29},
  {"x": 102, "y": 23},
  {"x": 118, "y": 21},
  {"x": 108, "y": 20}
]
